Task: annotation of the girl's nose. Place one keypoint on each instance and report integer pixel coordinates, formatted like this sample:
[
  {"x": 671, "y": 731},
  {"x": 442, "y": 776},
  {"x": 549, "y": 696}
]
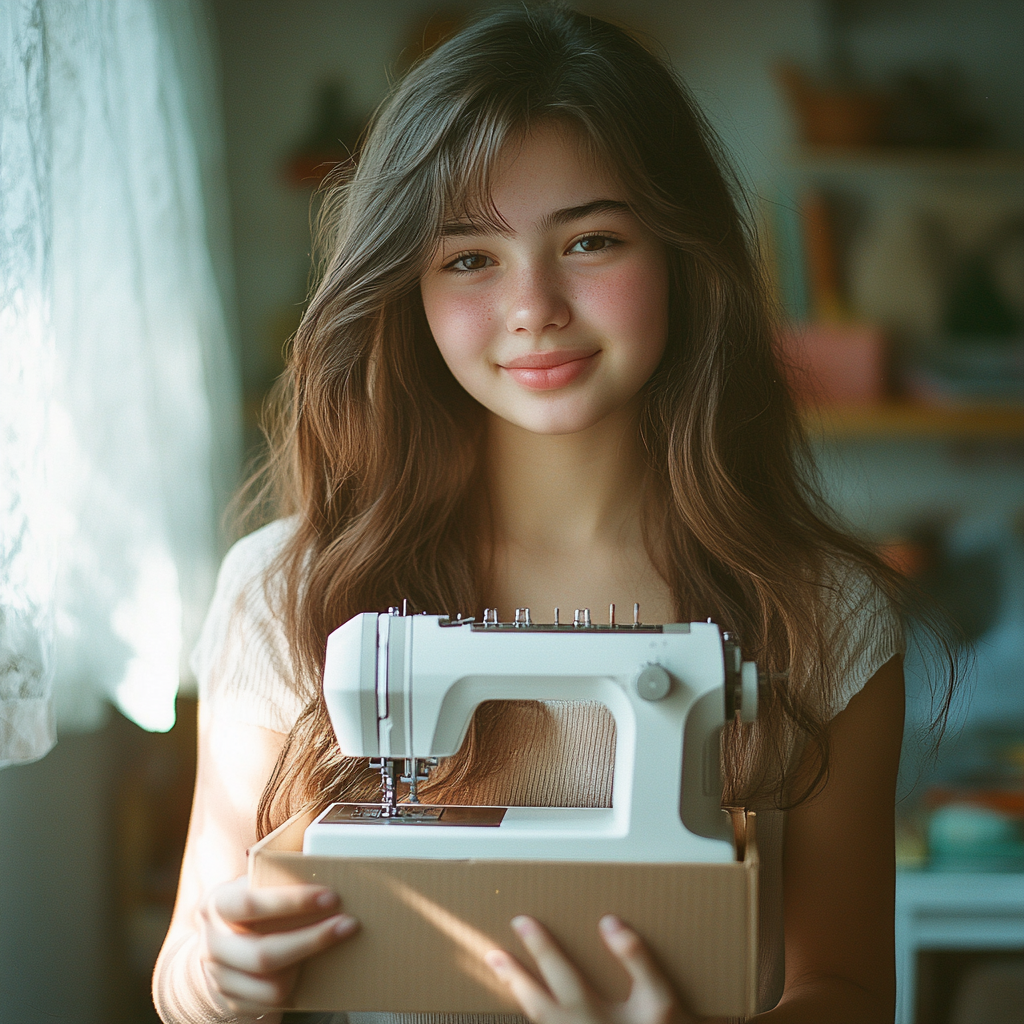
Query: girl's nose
[{"x": 536, "y": 302}]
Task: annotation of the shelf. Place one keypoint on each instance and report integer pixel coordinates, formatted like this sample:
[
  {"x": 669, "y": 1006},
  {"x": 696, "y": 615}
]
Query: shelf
[
  {"x": 909, "y": 420},
  {"x": 856, "y": 160}
]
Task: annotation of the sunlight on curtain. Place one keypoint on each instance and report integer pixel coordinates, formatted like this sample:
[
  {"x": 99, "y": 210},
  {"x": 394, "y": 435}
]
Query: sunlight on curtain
[
  {"x": 26, "y": 379},
  {"x": 118, "y": 395}
]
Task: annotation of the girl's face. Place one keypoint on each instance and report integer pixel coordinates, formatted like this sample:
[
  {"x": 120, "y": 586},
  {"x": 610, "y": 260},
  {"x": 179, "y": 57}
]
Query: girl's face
[{"x": 557, "y": 320}]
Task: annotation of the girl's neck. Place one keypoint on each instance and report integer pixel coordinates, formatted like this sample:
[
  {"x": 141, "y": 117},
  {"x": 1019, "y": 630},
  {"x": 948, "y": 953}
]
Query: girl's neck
[{"x": 565, "y": 492}]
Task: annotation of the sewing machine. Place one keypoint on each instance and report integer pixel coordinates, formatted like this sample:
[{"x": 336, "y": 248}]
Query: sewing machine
[{"x": 401, "y": 690}]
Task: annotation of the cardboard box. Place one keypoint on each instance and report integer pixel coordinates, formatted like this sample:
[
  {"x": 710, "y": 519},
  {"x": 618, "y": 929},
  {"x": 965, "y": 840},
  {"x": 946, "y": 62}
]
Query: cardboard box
[{"x": 427, "y": 923}]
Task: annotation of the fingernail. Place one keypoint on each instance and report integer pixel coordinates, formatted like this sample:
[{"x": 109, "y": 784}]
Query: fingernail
[
  {"x": 344, "y": 925},
  {"x": 524, "y": 925},
  {"x": 610, "y": 924},
  {"x": 326, "y": 899}
]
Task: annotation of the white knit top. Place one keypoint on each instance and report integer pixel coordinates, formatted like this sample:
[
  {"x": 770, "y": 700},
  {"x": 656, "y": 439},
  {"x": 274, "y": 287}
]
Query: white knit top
[{"x": 244, "y": 671}]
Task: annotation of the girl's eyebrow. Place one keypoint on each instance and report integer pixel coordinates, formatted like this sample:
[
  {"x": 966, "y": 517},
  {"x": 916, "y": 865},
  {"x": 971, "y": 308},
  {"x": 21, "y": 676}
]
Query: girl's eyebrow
[{"x": 553, "y": 219}]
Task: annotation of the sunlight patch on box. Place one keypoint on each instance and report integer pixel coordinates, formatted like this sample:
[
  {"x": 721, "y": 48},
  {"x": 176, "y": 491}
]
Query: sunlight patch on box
[{"x": 472, "y": 942}]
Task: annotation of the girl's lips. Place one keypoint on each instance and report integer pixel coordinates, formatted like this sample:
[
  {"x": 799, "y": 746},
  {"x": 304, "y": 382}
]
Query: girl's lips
[{"x": 548, "y": 371}]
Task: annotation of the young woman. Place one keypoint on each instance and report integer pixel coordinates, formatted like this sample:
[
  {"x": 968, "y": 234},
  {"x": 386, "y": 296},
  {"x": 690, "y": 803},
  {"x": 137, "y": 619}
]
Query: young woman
[{"x": 538, "y": 371}]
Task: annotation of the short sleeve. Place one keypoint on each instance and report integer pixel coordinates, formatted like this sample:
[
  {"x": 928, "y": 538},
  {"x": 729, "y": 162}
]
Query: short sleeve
[
  {"x": 241, "y": 662},
  {"x": 864, "y": 629}
]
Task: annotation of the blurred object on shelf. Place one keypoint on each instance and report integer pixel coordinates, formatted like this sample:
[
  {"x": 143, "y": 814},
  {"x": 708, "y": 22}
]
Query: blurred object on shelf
[
  {"x": 330, "y": 142},
  {"x": 919, "y": 109},
  {"x": 982, "y": 294},
  {"x": 974, "y": 814},
  {"x": 966, "y": 373},
  {"x": 835, "y": 363},
  {"x": 834, "y": 115},
  {"x": 977, "y": 311},
  {"x": 926, "y": 243},
  {"x": 972, "y": 837},
  {"x": 892, "y": 278},
  {"x": 1007, "y": 261},
  {"x": 964, "y": 574},
  {"x": 906, "y": 555},
  {"x": 978, "y": 352},
  {"x": 821, "y": 248},
  {"x": 911, "y": 841},
  {"x": 1002, "y": 801},
  {"x": 932, "y": 110}
]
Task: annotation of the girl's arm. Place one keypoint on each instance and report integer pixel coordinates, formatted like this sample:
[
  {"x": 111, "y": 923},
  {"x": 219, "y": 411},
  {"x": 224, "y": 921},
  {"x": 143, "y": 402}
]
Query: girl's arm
[
  {"x": 839, "y": 881},
  {"x": 231, "y": 953},
  {"x": 839, "y": 870}
]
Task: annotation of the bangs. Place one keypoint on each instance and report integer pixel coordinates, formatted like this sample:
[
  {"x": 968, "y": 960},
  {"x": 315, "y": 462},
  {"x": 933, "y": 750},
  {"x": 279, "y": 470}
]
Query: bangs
[
  {"x": 467, "y": 165},
  {"x": 468, "y": 162}
]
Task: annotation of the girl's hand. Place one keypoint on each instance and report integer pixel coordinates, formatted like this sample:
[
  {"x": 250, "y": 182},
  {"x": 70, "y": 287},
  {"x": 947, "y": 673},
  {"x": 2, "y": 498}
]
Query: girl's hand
[
  {"x": 569, "y": 999},
  {"x": 253, "y": 940}
]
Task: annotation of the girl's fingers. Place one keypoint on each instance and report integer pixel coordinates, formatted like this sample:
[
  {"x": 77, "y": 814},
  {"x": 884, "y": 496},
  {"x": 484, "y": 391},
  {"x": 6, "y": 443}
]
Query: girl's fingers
[
  {"x": 243, "y": 993},
  {"x": 649, "y": 985},
  {"x": 563, "y": 979},
  {"x": 269, "y": 953},
  {"x": 237, "y": 904},
  {"x": 533, "y": 999}
]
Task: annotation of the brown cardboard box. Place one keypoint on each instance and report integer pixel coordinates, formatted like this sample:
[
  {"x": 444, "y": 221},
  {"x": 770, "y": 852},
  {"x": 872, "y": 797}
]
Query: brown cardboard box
[{"x": 427, "y": 923}]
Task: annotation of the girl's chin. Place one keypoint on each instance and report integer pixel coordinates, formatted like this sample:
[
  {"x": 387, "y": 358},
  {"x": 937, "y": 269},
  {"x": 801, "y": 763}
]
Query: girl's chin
[{"x": 552, "y": 424}]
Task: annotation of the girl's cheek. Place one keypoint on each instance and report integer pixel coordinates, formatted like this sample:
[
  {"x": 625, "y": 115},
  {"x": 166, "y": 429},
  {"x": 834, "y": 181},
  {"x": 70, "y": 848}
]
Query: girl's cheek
[
  {"x": 452, "y": 314},
  {"x": 462, "y": 329},
  {"x": 631, "y": 303}
]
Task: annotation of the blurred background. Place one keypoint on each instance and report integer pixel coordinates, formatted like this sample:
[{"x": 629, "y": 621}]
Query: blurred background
[{"x": 882, "y": 144}]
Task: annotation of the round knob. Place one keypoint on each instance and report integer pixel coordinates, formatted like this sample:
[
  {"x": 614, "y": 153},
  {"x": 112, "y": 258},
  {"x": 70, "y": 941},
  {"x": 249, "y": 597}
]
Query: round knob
[{"x": 653, "y": 682}]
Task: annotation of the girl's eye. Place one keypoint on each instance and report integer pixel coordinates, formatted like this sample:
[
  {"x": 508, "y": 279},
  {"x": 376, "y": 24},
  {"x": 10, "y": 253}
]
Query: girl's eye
[
  {"x": 593, "y": 243},
  {"x": 469, "y": 261}
]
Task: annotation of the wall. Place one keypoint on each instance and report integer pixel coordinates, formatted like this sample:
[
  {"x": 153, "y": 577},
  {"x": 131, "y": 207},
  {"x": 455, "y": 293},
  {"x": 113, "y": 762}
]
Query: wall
[{"x": 55, "y": 890}]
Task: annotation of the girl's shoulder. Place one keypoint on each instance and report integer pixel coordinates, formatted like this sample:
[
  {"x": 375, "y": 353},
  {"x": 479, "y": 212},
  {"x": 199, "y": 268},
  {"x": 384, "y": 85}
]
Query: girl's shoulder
[
  {"x": 862, "y": 626},
  {"x": 242, "y": 660},
  {"x": 249, "y": 559}
]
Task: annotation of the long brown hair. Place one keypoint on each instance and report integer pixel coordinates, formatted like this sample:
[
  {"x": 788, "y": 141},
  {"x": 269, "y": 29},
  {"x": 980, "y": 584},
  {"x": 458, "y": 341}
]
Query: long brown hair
[{"x": 374, "y": 445}]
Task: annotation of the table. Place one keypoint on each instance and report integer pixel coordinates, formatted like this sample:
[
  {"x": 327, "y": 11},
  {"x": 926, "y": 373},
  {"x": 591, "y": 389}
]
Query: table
[{"x": 949, "y": 911}]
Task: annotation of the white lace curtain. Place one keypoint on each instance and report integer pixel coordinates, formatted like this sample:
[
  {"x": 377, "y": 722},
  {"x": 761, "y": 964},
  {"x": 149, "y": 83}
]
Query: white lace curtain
[{"x": 118, "y": 393}]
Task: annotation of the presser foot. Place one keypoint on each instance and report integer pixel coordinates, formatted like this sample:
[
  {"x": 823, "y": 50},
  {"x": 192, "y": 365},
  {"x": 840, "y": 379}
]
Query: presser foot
[
  {"x": 417, "y": 770},
  {"x": 388, "y": 807}
]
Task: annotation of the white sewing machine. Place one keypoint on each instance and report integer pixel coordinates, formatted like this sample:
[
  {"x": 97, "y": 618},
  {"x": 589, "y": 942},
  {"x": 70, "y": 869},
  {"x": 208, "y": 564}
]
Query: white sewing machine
[{"x": 402, "y": 689}]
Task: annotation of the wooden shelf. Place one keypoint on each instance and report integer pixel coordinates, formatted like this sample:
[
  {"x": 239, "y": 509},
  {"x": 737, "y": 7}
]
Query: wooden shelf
[
  {"x": 913, "y": 420},
  {"x": 893, "y": 160}
]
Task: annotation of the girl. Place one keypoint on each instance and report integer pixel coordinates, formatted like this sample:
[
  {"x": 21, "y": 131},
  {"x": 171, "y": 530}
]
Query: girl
[{"x": 538, "y": 371}]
